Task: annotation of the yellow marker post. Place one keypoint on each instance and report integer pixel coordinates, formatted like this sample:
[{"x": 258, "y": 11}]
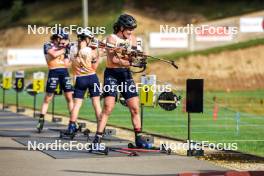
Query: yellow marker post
[
  {"x": 19, "y": 81},
  {"x": 38, "y": 87},
  {"x": 147, "y": 95},
  {"x": 19, "y": 87},
  {"x": 147, "y": 90},
  {"x": 7, "y": 80},
  {"x": 38, "y": 82},
  {"x": 7, "y": 84}
]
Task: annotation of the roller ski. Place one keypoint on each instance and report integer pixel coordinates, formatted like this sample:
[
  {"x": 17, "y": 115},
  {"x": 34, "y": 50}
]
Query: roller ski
[
  {"x": 40, "y": 124},
  {"x": 96, "y": 146},
  {"x": 162, "y": 149},
  {"x": 121, "y": 150},
  {"x": 73, "y": 130}
]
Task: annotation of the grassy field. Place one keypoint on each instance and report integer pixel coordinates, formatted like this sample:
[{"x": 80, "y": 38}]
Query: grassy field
[{"x": 247, "y": 132}]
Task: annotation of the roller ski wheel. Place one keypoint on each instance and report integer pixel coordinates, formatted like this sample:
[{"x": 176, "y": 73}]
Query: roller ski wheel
[
  {"x": 104, "y": 151},
  {"x": 153, "y": 149},
  {"x": 66, "y": 134},
  {"x": 165, "y": 149},
  {"x": 86, "y": 133},
  {"x": 128, "y": 153}
]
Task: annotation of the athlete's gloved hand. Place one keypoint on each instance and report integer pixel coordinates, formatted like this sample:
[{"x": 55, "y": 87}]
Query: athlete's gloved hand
[{"x": 140, "y": 64}]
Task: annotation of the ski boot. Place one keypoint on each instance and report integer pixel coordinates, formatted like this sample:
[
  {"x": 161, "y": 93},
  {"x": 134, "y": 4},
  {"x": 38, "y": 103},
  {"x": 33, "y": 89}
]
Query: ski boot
[
  {"x": 70, "y": 132},
  {"x": 40, "y": 124},
  {"x": 95, "y": 147},
  {"x": 141, "y": 142}
]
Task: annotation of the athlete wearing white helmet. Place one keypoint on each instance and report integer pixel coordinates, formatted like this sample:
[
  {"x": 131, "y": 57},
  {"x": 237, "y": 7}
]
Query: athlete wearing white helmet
[{"x": 84, "y": 62}]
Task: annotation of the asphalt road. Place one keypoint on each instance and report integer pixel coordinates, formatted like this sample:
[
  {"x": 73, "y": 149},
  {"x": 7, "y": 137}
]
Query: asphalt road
[{"x": 17, "y": 160}]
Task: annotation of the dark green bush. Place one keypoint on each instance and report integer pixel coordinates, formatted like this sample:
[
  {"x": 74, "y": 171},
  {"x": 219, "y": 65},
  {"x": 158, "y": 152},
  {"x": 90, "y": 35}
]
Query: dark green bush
[{"x": 18, "y": 10}]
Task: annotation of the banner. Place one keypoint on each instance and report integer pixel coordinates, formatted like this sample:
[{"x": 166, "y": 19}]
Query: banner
[
  {"x": 25, "y": 57},
  {"x": 168, "y": 40},
  {"x": 252, "y": 24},
  {"x": 214, "y": 34}
]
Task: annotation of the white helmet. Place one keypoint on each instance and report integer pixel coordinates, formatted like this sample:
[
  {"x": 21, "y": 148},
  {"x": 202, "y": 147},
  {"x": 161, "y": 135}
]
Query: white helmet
[{"x": 85, "y": 33}]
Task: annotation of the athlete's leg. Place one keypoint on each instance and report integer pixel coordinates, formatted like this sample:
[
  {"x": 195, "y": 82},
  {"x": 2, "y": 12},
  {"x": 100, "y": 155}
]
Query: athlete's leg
[
  {"x": 109, "y": 104},
  {"x": 72, "y": 127},
  {"x": 97, "y": 107},
  {"x": 45, "y": 105},
  {"x": 133, "y": 105},
  {"x": 50, "y": 88},
  {"x": 52, "y": 82},
  {"x": 69, "y": 99},
  {"x": 79, "y": 91},
  {"x": 65, "y": 82},
  {"x": 111, "y": 82},
  {"x": 76, "y": 108},
  {"x": 48, "y": 97},
  {"x": 94, "y": 90},
  {"x": 132, "y": 100}
]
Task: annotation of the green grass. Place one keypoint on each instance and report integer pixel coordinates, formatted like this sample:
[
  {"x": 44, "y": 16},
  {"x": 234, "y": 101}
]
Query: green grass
[
  {"x": 174, "y": 124},
  {"x": 29, "y": 71},
  {"x": 215, "y": 50}
]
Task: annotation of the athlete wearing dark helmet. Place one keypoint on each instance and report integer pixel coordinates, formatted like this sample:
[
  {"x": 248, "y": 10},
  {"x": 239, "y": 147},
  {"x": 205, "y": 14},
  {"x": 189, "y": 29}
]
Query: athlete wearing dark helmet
[
  {"x": 126, "y": 21},
  {"x": 117, "y": 74},
  {"x": 56, "y": 56}
]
